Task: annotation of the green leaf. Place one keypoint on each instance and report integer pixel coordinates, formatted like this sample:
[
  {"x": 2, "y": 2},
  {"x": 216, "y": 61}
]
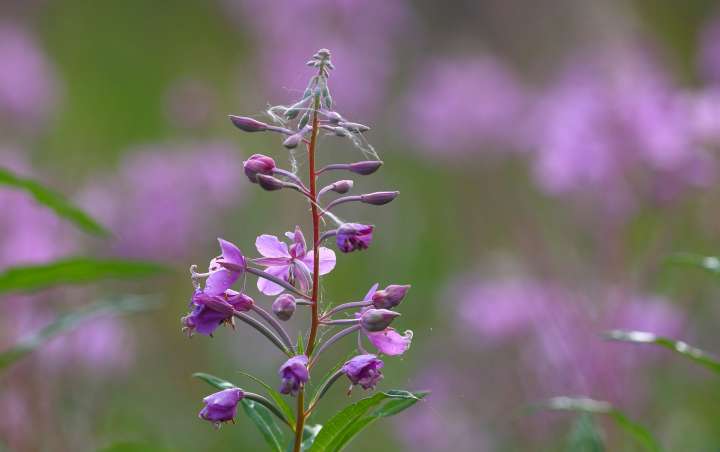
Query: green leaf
[
  {"x": 585, "y": 436},
  {"x": 73, "y": 271},
  {"x": 310, "y": 432},
  {"x": 591, "y": 406},
  {"x": 640, "y": 337},
  {"x": 70, "y": 321},
  {"x": 342, "y": 427},
  {"x": 276, "y": 396},
  {"x": 265, "y": 422},
  {"x": 300, "y": 344},
  {"x": 404, "y": 401},
  {"x": 54, "y": 201},
  {"x": 212, "y": 380}
]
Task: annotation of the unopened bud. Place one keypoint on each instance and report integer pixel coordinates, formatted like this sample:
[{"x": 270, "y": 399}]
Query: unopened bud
[
  {"x": 258, "y": 164},
  {"x": 379, "y": 198},
  {"x": 248, "y": 124},
  {"x": 365, "y": 167},
  {"x": 284, "y": 306},
  {"x": 354, "y": 126},
  {"x": 377, "y": 319},
  {"x": 269, "y": 183},
  {"x": 334, "y": 117},
  {"x": 390, "y": 297},
  {"x": 342, "y": 186},
  {"x": 293, "y": 140}
]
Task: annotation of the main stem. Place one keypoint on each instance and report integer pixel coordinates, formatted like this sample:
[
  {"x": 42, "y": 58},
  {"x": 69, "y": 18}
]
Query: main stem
[{"x": 300, "y": 423}]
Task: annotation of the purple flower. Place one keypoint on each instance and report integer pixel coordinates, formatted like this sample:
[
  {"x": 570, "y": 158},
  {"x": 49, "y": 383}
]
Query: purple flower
[
  {"x": 294, "y": 374},
  {"x": 284, "y": 306},
  {"x": 354, "y": 236},
  {"x": 387, "y": 341},
  {"x": 258, "y": 164},
  {"x": 294, "y": 265},
  {"x": 364, "y": 370},
  {"x": 221, "y": 406},
  {"x": 225, "y": 269},
  {"x": 211, "y": 311}
]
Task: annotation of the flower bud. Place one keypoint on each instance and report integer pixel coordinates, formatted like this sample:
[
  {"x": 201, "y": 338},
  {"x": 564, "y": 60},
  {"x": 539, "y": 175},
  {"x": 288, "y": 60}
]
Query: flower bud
[
  {"x": 294, "y": 374},
  {"x": 248, "y": 124},
  {"x": 270, "y": 183},
  {"x": 354, "y": 127},
  {"x": 221, "y": 406},
  {"x": 365, "y": 167},
  {"x": 374, "y": 320},
  {"x": 342, "y": 186},
  {"x": 258, "y": 164},
  {"x": 390, "y": 297},
  {"x": 334, "y": 117},
  {"x": 354, "y": 236},
  {"x": 364, "y": 370},
  {"x": 379, "y": 198},
  {"x": 284, "y": 306}
]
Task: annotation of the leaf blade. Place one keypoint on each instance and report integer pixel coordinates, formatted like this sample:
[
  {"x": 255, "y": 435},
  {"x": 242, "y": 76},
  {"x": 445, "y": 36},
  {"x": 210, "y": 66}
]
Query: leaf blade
[
  {"x": 276, "y": 396},
  {"x": 264, "y": 421},
  {"x": 77, "y": 270},
  {"x": 53, "y": 200}
]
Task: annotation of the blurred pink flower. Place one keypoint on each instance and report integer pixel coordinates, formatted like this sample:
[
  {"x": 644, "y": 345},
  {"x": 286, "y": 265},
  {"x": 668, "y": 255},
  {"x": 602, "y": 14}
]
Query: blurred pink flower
[
  {"x": 27, "y": 80},
  {"x": 360, "y": 35},
  {"x": 163, "y": 196},
  {"x": 462, "y": 106}
]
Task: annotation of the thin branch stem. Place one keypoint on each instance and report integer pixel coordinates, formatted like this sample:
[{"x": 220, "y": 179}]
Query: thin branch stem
[
  {"x": 273, "y": 322},
  {"x": 321, "y": 392},
  {"x": 344, "y": 306},
  {"x": 267, "y": 404},
  {"x": 332, "y": 340},
  {"x": 265, "y": 331},
  {"x": 290, "y": 176}
]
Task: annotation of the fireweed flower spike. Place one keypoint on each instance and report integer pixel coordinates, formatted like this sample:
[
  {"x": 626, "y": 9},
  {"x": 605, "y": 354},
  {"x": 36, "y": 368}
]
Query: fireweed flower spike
[{"x": 293, "y": 268}]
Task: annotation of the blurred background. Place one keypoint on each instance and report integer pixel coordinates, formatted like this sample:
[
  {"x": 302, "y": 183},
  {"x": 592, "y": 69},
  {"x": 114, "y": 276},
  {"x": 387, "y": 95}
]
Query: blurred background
[{"x": 550, "y": 156}]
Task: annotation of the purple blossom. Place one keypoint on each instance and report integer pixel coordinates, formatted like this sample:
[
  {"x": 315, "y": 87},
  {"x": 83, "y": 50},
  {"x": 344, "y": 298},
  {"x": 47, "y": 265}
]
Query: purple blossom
[
  {"x": 294, "y": 265},
  {"x": 387, "y": 341},
  {"x": 186, "y": 186},
  {"x": 463, "y": 105},
  {"x": 364, "y": 370},
  {"x": 27, "y": 81},
  {"x": 211, "y": 311},
  {"x": 258, "y": 164},
  {"x": 294, "y": 373},
  {"x": 390, "y": 296},
  {"x": 354, "y": 236},
  {"x": 221, "y": 406},
  {"x": 225, "y": 269}
]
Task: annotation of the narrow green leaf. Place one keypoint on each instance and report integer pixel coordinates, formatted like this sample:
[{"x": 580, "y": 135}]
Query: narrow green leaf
[
  {"x": 70, "y": 321},
  {"x": 688, "y": 351},
  {"x": 351, "y": 432},
  {"x": 73, "y": 271},
  {"x": 212, "y": 380},
  {"x": 585, "y": 436},
  {"x": 300, "y": 344},
  {"x": 276, "y": 396},
  {"x": 310, "y": 432},
  {"x": 265, "y": 422},
  {"x": 339, "y": 429},
  {"x": 54, "y": 201},
  {"x": 587, "y": 405}
]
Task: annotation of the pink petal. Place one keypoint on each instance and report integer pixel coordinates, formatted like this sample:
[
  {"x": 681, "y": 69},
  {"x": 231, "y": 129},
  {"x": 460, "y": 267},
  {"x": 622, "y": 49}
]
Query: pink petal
[
  {"x": 390, "y": 342},
  {"x": 269, "y": 246},
  {"x": 269, "y": 287},
  {"x": 302, "y": 275},
  {"x": 371, "y": 292},
  {"x": 272, "y": 261},
  {"x": 231, "y": 253},
  {"x": 327, "y": 260},
  {"x": 219, "y": 281}
]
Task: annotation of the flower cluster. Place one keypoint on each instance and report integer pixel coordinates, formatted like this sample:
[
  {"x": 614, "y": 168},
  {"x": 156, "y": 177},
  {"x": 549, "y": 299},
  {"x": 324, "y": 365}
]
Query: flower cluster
[{"x": 290, "y": 270}]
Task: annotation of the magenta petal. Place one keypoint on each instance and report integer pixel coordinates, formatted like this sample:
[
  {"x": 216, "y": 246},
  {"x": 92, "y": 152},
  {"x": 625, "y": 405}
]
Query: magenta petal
[
  {"x": 272, "y": 261},
  {"x": 390, "y": 342},
  {"x": 269, "y": 246},
  {"x": 327, "y": 260},
  {"x": 231, "y": 253},
  {"x": 371, "y": 292},
  {"x": 302, "y": 275},
  {"x": 269, "y": 287},
  {"x": 219, "y": 281}
]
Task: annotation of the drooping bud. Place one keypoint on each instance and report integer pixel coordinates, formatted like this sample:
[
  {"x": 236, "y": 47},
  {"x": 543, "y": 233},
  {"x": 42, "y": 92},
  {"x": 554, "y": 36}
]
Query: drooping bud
[
  {"x": 248, "y": 124},
  {"x": 294, "y": 374},
  {"x": 342, "y": 186},
  {"x": 221, "y": 406},
  {"x": 284, "y": 306},
  {"x": 292, "y": 141},
  {"x": 258, "y": 164},
  {"x": 334, "y": 117},
  {"x": 354, "y": 236},
  {"x": 379, "y": 198},
  {"x": 390, "y": 297},
  {"x": 269, "y": 183},
  {"x": 364, "y": 370},
  {"x": 365, "y": 167},
  {"x": 354, "y": 126},
  {"x": 374, "y": 320}
]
